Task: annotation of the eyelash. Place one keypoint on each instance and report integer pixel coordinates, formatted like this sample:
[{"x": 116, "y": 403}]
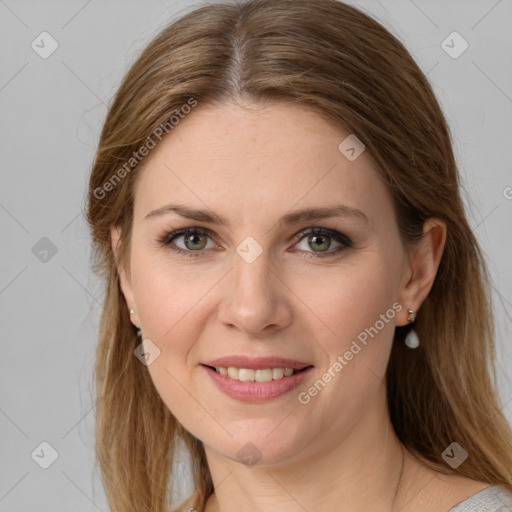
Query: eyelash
[{"x": 339, "y": 237}]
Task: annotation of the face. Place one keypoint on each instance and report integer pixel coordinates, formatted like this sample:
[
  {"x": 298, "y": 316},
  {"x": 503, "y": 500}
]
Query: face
[{"x": 323, "y": 292}]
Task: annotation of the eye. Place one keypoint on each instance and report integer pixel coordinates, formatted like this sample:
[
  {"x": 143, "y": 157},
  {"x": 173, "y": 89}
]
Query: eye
[
  {"x": 188, "y": 241},
  {"x": 194, "y": 240},
  {"x": 322, "y": 238}
]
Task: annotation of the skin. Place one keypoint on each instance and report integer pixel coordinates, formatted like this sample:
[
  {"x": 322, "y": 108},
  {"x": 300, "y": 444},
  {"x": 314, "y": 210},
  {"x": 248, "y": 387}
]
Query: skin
[{"x": 252, "y": 165}]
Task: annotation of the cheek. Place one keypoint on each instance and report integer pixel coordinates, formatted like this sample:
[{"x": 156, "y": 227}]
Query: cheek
[
  {"x": 169, "y": 307},
  {"x": 358, "y": 322},
  {"x": 168, "y": 294},
  {"x": 350, "y": 301},
  {"x": 171, "y": 301}
]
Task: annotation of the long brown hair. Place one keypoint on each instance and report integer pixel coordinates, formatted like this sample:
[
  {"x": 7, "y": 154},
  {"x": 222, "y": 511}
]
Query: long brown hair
[{"x": 354, "y": 73}]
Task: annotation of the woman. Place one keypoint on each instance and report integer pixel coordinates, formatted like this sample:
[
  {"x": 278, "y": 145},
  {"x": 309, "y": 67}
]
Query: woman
[{"x": 292, "y": 288}]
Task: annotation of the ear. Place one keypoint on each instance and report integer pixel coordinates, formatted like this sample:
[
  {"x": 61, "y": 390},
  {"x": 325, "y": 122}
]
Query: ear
[
  {"x": 423, "y": 263},
  {"x": 124, "y": 277}
]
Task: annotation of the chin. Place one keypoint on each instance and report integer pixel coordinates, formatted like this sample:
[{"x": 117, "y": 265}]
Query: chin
[{"x": 268, "y": 448}]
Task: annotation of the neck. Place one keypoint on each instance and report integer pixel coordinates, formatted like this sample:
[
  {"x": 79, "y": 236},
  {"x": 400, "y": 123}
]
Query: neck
[{"x": 361, "y": 472}]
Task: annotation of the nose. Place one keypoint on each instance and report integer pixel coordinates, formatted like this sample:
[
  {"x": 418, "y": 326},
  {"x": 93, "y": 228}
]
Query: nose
[{"x": 256, "y": 299}]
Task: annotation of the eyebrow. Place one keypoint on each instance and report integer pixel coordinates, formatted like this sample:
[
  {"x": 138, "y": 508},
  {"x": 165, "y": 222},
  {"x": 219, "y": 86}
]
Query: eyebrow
[{"x": 307, "y": 214}]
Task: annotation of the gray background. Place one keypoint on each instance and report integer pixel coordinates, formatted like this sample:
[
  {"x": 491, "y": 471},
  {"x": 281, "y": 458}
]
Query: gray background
[{"x": 51, "y": 114}]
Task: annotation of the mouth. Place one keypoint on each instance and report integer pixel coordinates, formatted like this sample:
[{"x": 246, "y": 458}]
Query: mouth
[
  {"x": 257, "y": 380},
  {"x": 257, "y": 374}
]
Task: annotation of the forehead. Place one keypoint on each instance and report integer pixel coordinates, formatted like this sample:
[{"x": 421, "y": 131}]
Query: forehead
[{"x": 257, "y": 159}]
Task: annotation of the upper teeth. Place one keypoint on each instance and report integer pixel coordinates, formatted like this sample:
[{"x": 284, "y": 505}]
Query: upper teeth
[{"x": 248, "y": 374}]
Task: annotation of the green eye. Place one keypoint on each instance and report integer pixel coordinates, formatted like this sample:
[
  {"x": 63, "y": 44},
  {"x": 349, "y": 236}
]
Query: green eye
[
  {"x": 322, "y": 238},
  {"x": 195, "y": 240}
]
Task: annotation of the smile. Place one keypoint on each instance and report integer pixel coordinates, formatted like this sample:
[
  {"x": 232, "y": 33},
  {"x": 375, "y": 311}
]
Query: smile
[{"x": 256, "y": 384}]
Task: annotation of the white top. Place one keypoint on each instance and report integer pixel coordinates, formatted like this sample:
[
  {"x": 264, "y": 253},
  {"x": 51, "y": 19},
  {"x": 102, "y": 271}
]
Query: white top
[{"x": 491, "y": 499}]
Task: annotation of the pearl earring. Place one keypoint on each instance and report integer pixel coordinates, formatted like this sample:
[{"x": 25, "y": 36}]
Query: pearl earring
[
  {"x": 412, "y": 340},
  {"x": 139, "y": 332}
]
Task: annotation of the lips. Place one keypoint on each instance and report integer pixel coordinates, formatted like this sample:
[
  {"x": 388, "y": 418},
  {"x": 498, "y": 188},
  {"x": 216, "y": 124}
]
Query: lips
[{"x": 255, "y": 385}]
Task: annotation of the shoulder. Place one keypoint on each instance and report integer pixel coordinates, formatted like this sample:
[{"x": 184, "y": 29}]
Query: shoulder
[
  {"x": 494, "y": 498},
  {"x": 429, "y": 490}
]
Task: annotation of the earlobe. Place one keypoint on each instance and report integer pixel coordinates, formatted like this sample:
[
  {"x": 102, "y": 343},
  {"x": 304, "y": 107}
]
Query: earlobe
[{"x": 424, "y": 260}]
